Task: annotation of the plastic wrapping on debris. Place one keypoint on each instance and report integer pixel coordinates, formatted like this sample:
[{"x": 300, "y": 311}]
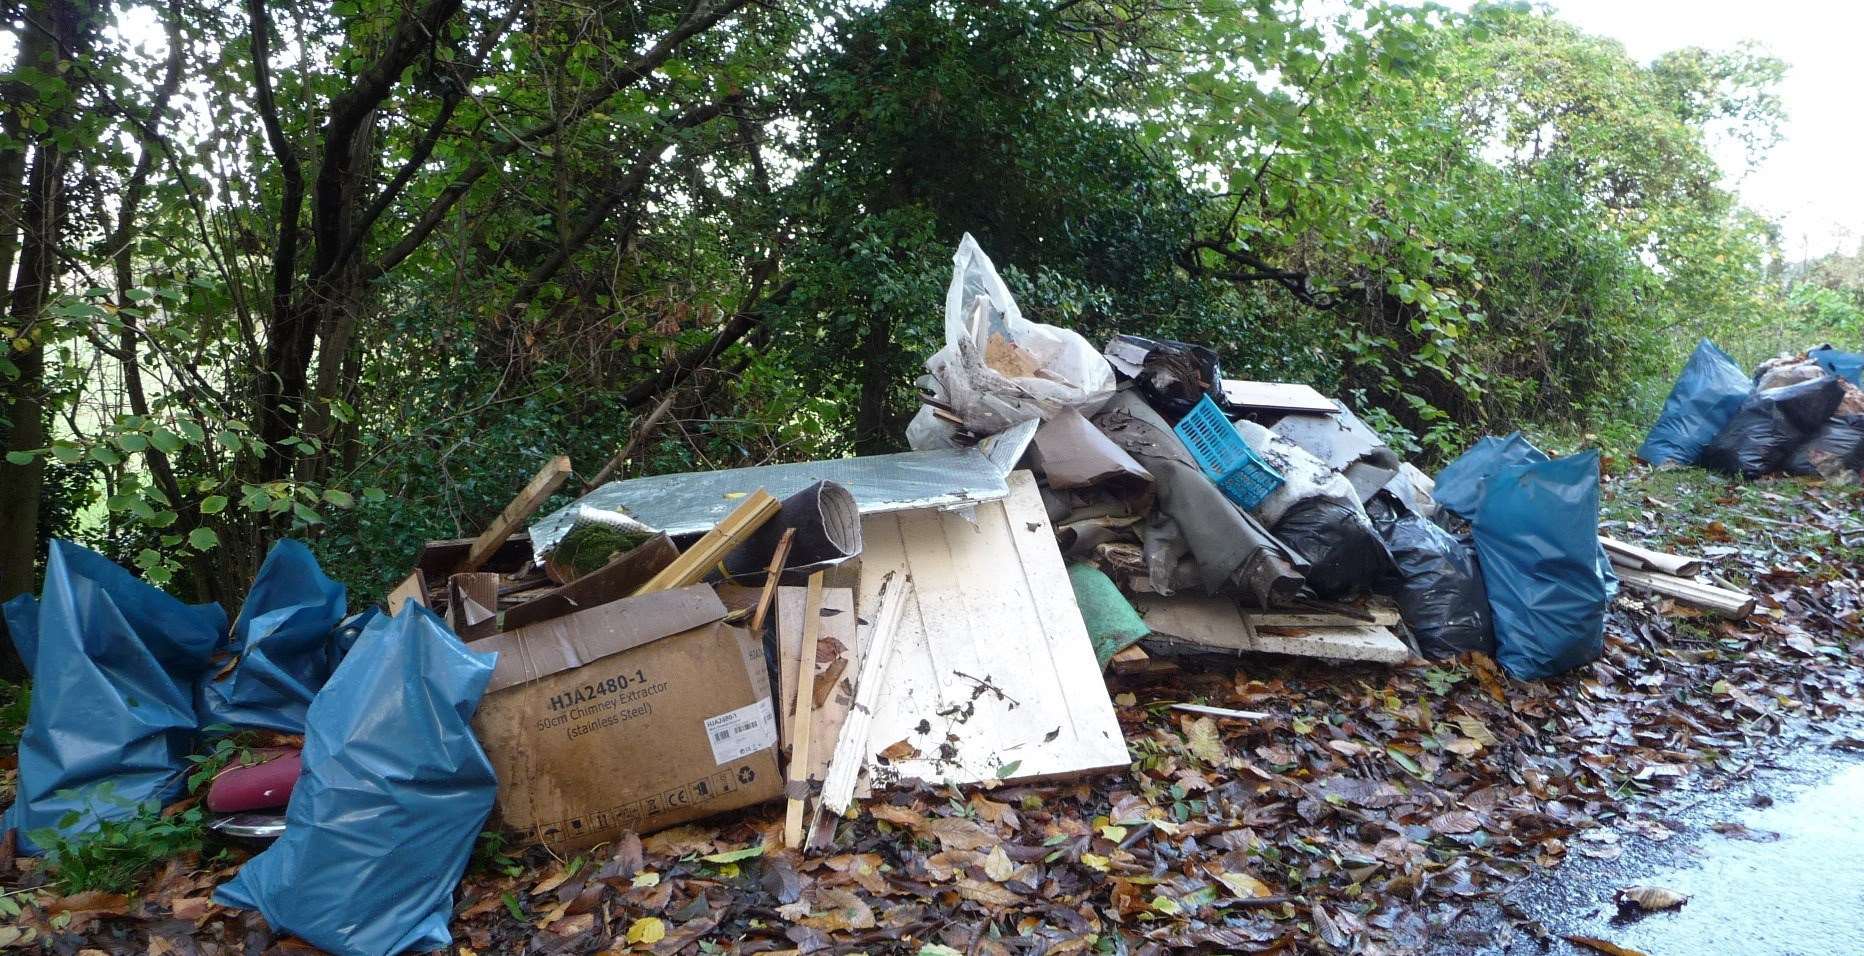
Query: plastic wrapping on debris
[
  {"x": 998, "y": 368},
  {"x": 288, "y": 641},
  {"x": 1762, "y": 435},
  {"x": 1228, "y": 543},
  {"x": 1112, "y": 624},
  {"x": 113, "y": 662},
  {"x": 1344, "y": 553},
  {"x": 1437, "y": 584},
  {"x": 394, "y": 792},
  {"x": 1172, "y": 376},
  {"x": 1548, "y": 580},
  {"x": 827, "y": 524},
  {"x": 1706, "y": 395},
  {"x": 1846, "y": 365},
  {"x": 694, "y": 503},
  {"x": 1836, "y": 448}
]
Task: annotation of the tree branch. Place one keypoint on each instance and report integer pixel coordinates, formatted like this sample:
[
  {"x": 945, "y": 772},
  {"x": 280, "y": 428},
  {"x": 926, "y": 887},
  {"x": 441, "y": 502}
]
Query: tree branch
[{"x": 291, "y": 199}]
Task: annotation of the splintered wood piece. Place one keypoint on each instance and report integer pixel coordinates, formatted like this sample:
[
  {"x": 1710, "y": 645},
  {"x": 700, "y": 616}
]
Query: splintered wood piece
[
  {"x": 844, "y": 768},
  {"x": 544, "y": 484},
  {"x": 1626, "y": 554},
  {"x": 612, "y": 582},
  {"x": 801, "y": 718},
  {"x": 1380, "y": 613},
  {"x": 772, "y": 576},
  {"x": 692, "y": 567},
  {"x": 1215, "y": 622},
  {"x": 412, "y": 588},
  {"x": 1730, "y": 604}
]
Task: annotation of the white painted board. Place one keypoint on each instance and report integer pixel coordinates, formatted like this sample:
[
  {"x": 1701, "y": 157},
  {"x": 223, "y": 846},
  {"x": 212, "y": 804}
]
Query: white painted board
[
  {"x": 992, "y": 665},
  {"x": 1277, "y": 396}
]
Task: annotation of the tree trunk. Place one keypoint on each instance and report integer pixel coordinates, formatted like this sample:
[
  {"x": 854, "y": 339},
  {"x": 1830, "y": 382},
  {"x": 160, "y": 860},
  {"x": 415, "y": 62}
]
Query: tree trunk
[
  {"x": 870, "y": 418},
  {"x": 56, "y": 30}
]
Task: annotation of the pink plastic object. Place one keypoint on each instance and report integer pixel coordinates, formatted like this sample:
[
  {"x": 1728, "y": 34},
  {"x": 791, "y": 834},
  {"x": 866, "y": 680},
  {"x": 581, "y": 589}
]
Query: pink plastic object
[{"x": 261, "y": 786}]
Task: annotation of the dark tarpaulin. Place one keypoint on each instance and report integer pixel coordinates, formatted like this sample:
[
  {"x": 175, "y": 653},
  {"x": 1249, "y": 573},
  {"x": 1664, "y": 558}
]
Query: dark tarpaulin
[{"x": 1227, "y": 542}]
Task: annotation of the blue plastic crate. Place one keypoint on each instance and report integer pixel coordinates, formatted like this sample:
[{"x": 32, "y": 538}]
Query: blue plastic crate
[{"x": 1227, "y": 460}]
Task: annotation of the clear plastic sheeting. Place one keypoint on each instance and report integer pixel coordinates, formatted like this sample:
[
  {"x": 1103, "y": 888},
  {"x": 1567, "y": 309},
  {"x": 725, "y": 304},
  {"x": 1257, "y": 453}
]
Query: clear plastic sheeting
[{"x": 693, "y": 503}]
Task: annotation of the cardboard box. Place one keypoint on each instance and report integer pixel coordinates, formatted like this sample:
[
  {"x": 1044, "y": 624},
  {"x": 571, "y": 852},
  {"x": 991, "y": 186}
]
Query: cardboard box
[{"x": 633, "y": 715}]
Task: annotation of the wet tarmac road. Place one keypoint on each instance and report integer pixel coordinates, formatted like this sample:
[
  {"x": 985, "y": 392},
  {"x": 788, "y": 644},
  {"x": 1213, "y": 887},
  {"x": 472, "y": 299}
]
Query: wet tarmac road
[{"x": 1773, "y": 867}]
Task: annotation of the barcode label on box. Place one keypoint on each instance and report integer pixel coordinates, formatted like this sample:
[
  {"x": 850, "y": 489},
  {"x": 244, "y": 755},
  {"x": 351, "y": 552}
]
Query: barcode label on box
[{"x": 742, "y": 732}]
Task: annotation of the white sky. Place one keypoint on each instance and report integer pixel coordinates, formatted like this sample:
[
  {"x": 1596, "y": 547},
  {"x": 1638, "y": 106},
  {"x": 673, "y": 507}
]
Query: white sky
[{"x": 1813, "y": 181}]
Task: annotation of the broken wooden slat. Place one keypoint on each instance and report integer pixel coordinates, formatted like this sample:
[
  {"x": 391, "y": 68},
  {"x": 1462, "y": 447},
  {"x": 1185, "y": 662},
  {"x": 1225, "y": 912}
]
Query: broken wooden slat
[
  {"x": 835, "y": 653},
  {"x": 544, "y": 484},
  {"x": 412, "y": 588},
  {"x": 1210, "y": 711},
  {"x": 802, "y": 717},
  {"x": 611, "y": 582},
  {"x": 692, "y": 567},
  {"x": 851, "y": 749},
  {"x": 1727, "y": 603},
  {"x": 1625, "y": 554},
  {"x": 993, "y": 659},
  {"x": 772, "y": 575}
]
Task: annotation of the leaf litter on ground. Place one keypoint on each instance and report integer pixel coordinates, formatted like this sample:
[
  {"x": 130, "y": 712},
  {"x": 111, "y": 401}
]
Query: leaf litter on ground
[{"x": 1368, "y": 807}]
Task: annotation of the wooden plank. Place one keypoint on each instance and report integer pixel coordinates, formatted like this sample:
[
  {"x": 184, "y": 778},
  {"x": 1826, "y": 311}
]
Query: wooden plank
[
  {"x": 439, "y": 558},
  {"x": 544, "y": 484},
  {"x": 412, "y": 588},
  {"x": 1277, "y": 396},
  {"x": 1215, "y": 623},
  {"x": 692, "y": 567},
  {"x": 802, "y": 716},
  {"x": 1381, "y": 613},
  {"x": 1730, "y": 604},
  {"x": 851, "y": 747},
  {"x": 991, "y": 656},
  {"x": 772, "y": 575},
  {"x": 1626, "y": 554},
  {"x": 612, "y": 582},
  {"x": 836, "y": 654}
]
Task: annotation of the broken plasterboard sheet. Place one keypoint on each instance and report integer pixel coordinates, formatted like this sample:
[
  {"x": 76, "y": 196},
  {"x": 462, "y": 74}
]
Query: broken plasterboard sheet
[
  {"x": 697, "y": 501},
  {"x": 1346, "y": 443},
  {"x": 1277, "y": 396},
  {"x": 992, "y": 675},
  {"x": 1216, "y": 623}
]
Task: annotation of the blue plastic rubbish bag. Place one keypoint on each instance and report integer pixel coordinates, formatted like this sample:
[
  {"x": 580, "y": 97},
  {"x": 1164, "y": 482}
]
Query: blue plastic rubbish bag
[
  {"x": 1704, "y": 398},
  {"x": 113, "y": 662},
  {"x": 1461, "y": 484},
  {"x": 288, "y": 642},
  {"x": 1846, "y": 365},
  {"x": 1537, "y": 541},
  {"x": 394, "y": 792}
]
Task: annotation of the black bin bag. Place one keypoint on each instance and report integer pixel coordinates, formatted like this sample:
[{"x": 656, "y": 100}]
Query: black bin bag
[
  {"x": 1344, "y": 553},
  {"x": 1436, "y": 583},
  {"x": 1837, "y": 447},
  {"x": 1770, "y": 425}
]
